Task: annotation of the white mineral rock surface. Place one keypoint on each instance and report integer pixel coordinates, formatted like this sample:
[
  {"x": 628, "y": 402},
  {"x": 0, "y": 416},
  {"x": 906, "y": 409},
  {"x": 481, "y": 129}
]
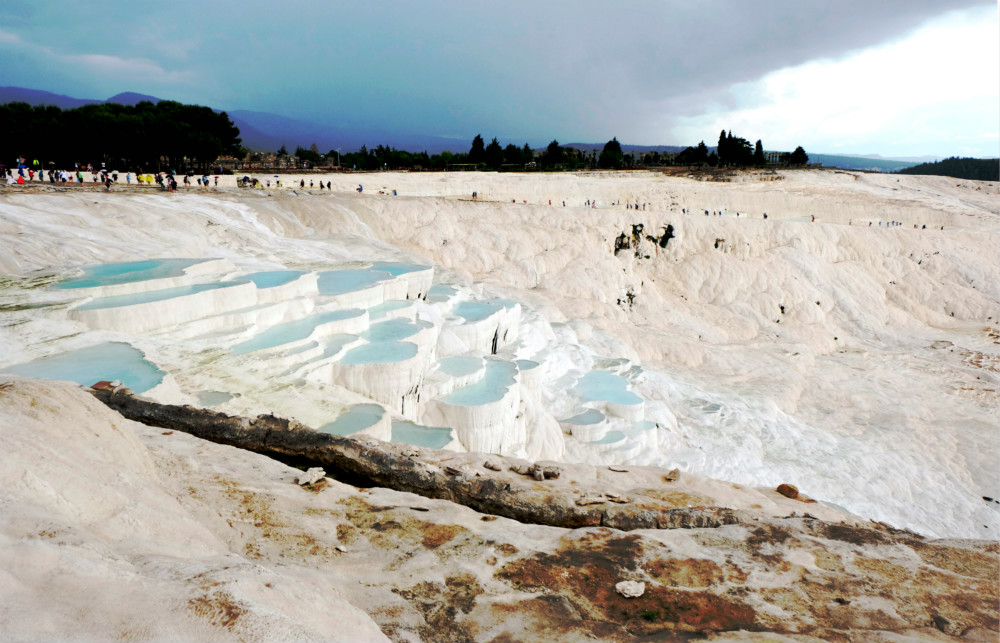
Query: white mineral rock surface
[{"x": 858, "y": 362}]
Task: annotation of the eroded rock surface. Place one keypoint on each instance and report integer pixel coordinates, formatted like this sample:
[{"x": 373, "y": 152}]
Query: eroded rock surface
[
  {"x": 227, "y": 547},
  {"x": 527, "y": 492}
]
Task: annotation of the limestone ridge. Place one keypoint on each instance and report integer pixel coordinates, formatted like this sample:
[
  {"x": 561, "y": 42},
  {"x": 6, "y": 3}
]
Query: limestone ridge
[
  {"x": 372, "y": 462},
  {"x": 791, "y": 575},
  {"x": 490, "y": 484}
]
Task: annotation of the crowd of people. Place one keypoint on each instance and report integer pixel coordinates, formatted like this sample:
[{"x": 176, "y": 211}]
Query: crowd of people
[{"x": 25, "y": 173}]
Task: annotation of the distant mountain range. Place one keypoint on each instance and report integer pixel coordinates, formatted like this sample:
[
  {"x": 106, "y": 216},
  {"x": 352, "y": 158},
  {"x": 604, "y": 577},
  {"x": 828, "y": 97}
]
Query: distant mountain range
[{"x": 262, "y": 131}]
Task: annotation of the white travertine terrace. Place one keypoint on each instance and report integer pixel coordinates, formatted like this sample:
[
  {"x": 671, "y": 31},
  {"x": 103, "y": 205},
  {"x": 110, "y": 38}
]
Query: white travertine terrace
[
  {"x": 766, "y": 345},
  {"x": 173, "y": 310},
  {"x": 366, "y": 330}
]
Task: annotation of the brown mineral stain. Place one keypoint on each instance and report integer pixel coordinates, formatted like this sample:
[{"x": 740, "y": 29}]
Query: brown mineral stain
[
  {"x": 687, "y": 572},
  {"x": 584, "y": 571},
  {"x": 395, "y": 528},
  {"x": 219, "y": 607},
  {"x": 961, "y": 561},
  {"x": 671, "y": 499},
  {"x": 443, "y": 607}
]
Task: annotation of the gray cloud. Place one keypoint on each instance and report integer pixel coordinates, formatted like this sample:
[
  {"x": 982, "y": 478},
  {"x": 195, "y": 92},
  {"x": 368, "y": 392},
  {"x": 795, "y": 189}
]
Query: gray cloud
[{"x": 524, "y": 70}]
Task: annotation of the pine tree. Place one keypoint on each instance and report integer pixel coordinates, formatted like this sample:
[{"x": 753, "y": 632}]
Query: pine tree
[
  {"x": 494, "y": 154},
  {"x": 477, "y": 154},
  {"x": 611, "y": 155}
]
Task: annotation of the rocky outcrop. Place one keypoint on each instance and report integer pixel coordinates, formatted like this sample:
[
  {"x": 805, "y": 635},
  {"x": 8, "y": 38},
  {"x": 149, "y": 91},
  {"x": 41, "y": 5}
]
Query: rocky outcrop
[
  {"x": 373, "y": 463},
  {"x": 120, "y": 530}
]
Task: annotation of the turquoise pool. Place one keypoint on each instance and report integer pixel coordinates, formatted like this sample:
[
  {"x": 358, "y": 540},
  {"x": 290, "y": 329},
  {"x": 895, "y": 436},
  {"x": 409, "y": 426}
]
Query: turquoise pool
[
  {"x": 475, "y": 310},
  {"x": 110, "y": 361},
  {"x": 430, "y": 437},
  {"x": 611, "y": 438},
  {"x": 396, "y": 269},
  {"x": 380, "y": 353},
  {"x": 338, "y": 282},
  {"x": 604, "y": 386},
  {"x": 208, "y": 399},
  {"x": 335, "y": 343},
  {"x": 293, "y": 331},
  {"x": 109, "y": 274},
  {"x": 119, "y": 301},
  {"x": 498, "y": 378},
  {"x": 588, "y": 417},
  {"x": 459, "y": 366},
  {"x": 273, "y": 278},
  {"x": 440, "y": 293},
  {"x": 380, "y": 311},
  {"x": 357, "y": 418},
  {"x": 391, "y": 330}
]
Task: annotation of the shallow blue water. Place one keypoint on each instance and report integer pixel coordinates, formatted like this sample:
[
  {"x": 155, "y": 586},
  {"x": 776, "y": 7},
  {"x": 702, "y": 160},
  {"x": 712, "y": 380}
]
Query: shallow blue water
[
  {"x": 119, "y": 301},
  {"x": 335, "y": 343},
  {"x": 336, "y": 282},
  {"x": 273, "y": 278},
  {"x": 526, "y": 364},
  {"x": 293, "y": 331},
  {"x": 391, "y": 330},
  {"x": 208, "y": 399},
  {"x": 439, "y": 293},
  {"x": 380, "y": 353},
  {"x": 378, "y": 312},
  {"x": 459, "y": 366},
  {"x": 498, "y": 378},
  {"x": 430, "y": 437},
  {"x": 588, "y": 417},
  {"x": 604, "y": 386},
  {"x": 128, "y": 272},
  {"x": 396, "y": 269},
  {"x": 109, "y": 361},
  {"x": 357, "y": 418},
  {"x": 475, "y": 310},
  {"x": 611, "y": 437}
]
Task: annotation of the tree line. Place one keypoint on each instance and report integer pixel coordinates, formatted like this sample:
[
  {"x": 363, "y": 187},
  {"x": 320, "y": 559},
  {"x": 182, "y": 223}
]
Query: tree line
[
  {"x": 959, "y": 168},
  {"x": 145, "y": 137},
  {"x": 734, "y": 151},
  {"x": 171, "y": 135},
  {"x": 731, "y": 151}
]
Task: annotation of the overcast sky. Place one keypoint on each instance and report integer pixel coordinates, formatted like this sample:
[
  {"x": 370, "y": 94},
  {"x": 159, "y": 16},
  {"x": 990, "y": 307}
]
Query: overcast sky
[{"x": 892, "y": 77}]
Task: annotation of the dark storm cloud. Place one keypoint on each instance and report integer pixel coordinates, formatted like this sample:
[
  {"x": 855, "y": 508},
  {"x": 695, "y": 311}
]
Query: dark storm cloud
[{"x": 528, "y": 70}]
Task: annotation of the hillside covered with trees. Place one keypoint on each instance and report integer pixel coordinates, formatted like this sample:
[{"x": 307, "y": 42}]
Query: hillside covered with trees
[
  {"x": 143, "y": 137},
  {"x": 960, "y": 168}
]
